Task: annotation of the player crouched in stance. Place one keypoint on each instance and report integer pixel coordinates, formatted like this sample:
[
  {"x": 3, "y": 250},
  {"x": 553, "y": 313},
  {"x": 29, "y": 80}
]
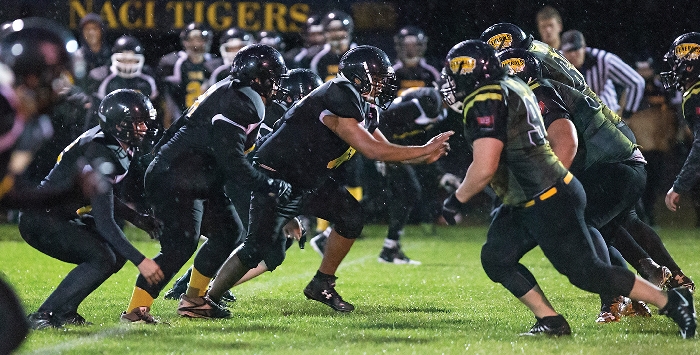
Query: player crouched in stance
[
  {"x": 511, "y": 152},
  {"x": 83, "y": 230}
]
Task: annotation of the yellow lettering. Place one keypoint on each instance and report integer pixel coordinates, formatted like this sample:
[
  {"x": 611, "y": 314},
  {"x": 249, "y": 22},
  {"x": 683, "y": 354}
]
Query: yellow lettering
[
  {"x": 199, "y": 11},
  {"x": 150, "y": 14},
  {"x": 341, "y": 159},
  {"x": 216, "y": 21},
  {"x": 124, "y": 15},
  {"x": 194, "y": 89},
  {"x": 108, "y": 15},
  {"x": 298, "y": 13},
  {"x": 178, "y": 8},
  {"x": 196, "y": 75},
  {"x": 77, "y": 11},
  {"x": 246, "y": 16},
  {"x": 274, "y": 14}
]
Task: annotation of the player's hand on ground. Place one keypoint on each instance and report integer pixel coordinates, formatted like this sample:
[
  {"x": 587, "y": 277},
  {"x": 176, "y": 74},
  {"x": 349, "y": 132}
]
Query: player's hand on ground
[
  {"x": 672, "y": 199},
  {"x": 151, "y": 271},
  {"x": 295, "y": 230}
]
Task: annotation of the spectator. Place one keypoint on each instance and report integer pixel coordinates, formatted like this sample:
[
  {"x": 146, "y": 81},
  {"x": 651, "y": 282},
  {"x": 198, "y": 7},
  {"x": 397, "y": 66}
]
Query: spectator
[{"x": 549, "y": 25}]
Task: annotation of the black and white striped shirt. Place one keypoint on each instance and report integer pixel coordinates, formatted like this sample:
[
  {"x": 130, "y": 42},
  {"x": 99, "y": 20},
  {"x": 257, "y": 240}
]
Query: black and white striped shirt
[{"x": 604, "y": 71}]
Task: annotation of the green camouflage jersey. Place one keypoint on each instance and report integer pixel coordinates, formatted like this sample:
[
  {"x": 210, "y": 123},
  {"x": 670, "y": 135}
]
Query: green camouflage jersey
[
  {"x": 507, "y": 110},
  {"x": 556, "y": 67},
  {"x": 599, "y": 140}
]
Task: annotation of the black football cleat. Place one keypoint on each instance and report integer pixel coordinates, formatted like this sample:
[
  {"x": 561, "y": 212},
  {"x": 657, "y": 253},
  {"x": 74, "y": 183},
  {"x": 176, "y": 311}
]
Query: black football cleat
[
  {"x": 74, "y": 318},
  {"x": 552, "y": 326},
  {"x": 43, "y": 320},
  {"x": 680, "y": 308},
  {"x": 323, "y": 290}
]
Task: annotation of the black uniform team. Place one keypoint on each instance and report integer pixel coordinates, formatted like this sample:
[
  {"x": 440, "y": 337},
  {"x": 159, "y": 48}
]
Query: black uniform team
[{"x": 188, "y": 148}]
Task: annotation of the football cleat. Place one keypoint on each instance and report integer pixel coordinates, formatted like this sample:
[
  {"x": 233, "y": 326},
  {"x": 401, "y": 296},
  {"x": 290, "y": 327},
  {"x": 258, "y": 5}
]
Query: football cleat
[
  {"x": 680, "y": 308},
  {"x": 138, "y": 315},
  {"x": 75, "y": 319},
  {"x": 395, "y": 256},
  {"x": 620, "y": 307},
  {"x": 653, "y": 272},
  {"x": 323, "y": 290},
  {"x": 606, "y": 317},
  {"x": 43, "y": 320},
  {"x": 201, "y": 307},
  {"x": 678, "y": 279},
  {"x": 637, "y": 309},
  {"x": 228, "y": 297},
  {"x": 553, "y": 326}
]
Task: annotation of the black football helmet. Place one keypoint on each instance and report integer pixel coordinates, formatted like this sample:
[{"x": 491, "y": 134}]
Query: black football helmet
[
  {"x": 231, "y": 41},
  {"x": 127, "y": 57},
  {"x": 468, "y": 65},
  {"x": 369, "y": 70},
  {"x": 410, "y": 43},
  {"x": 521, "y": 63},
  {"x": 126, "y": 115},
  {"x": 683, "y": 58},
  {"x": 261, "y": 62},
  {"x": 506, "y": 35},
  {"x": 299, "y": 83},
  {"x": 39, "y": 52},
  {"x": 313, "y": 31}
]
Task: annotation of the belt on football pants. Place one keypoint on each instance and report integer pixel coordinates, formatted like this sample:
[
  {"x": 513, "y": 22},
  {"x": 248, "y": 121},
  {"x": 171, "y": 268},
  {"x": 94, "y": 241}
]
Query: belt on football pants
[{"x": 549, "y": 192}]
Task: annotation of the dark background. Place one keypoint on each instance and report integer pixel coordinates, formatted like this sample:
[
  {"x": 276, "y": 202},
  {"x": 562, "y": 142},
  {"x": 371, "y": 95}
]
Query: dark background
[{"x": 629, "y": 28}]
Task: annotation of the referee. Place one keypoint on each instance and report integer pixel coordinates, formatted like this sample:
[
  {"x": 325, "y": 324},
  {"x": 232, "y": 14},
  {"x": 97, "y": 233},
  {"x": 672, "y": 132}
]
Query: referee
[{"x": 604, "y": 72}]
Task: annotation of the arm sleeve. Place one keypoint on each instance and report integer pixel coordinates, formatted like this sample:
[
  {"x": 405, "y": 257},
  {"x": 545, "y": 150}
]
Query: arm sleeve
[
  {"x": 487, "y": 117},
  {"x": 103, "y": 212},
  {"x": 690, "y": 173},
  {"x": 229, "y": 151}
]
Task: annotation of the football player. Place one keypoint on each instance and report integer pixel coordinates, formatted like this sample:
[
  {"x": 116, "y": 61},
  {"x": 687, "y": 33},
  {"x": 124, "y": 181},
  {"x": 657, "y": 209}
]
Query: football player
[
  {"x": 82, "y": 230},
  {"x": 231, "y": 41},
  {"x": 683, "y": 59},
  {"x": 319, "y": 134},
  {"x": 293, "y": 87},
  {"x": 411, "y": 68},
  {"x": 556, "y": 67},
  {"x": 610, "y": 168},
  {"x": 36, "y": 81},
  {"x": 203, "y": 151},
  {"x": 511, "y": 152},
  {"x": 183, "y": 73}
]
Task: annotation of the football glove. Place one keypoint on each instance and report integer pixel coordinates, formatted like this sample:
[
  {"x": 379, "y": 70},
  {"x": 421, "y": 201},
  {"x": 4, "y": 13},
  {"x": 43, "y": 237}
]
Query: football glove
[
  {"x": 450, "y": 208},
  {"x": 450, "y": 182},
  {"x": 279, "y": 189}
]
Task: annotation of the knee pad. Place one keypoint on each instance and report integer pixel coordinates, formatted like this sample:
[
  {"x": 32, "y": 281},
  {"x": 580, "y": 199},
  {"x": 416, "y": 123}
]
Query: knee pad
[{"x": 350, "y": 226}]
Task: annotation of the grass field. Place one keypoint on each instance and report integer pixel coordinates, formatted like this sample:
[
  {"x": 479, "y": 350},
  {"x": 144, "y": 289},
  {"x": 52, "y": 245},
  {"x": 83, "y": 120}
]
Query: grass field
[{"x": 445, "y": 306}]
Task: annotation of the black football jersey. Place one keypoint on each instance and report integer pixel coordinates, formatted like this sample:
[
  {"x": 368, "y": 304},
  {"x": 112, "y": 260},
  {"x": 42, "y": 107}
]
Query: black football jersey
[
  {"x": 421, "y": 75},
  {"x": 688, "y": 176},
  {"x": 412, "y": 118},
  {"x": 303, "y": 150},
  {"x": 216, "y": 132},
  {"x": 183, "y": 79}
]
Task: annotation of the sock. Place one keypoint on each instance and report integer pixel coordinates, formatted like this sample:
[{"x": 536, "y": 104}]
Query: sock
[
  {"x": 390, "y": 243},
  {"x": 321, "y": 225},
  {"x": 356, "y": 192},
  {"x": 198, "y": 284},
  {"x": 140, "y": 298},
  {"x": 322, "y": 276}
]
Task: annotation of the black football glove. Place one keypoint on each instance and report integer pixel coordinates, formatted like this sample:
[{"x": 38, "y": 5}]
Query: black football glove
[
  {"x": 279, "y": 189},
  {"x": 151, "y": 225},
  {"x": 450, "y": 208}
]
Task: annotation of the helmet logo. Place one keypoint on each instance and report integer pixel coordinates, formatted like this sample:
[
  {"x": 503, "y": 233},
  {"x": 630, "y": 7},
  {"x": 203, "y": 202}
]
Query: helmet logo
[
  {"x": 687, "y": 51},
  {"x": 516, "y": 64},
  {"x": 501, "y": 41},
  {"x": 462, "y": 65}
]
